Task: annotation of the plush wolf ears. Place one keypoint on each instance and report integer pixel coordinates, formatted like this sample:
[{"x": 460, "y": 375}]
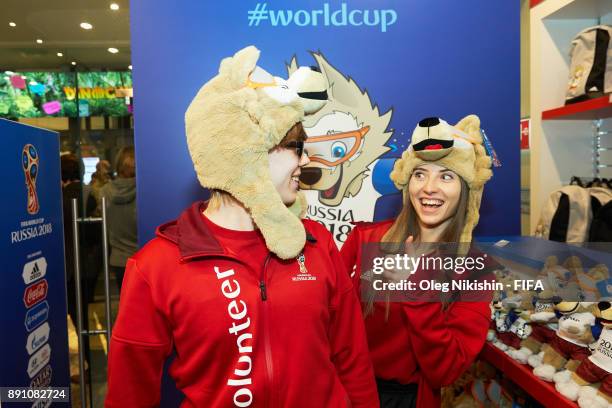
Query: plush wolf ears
[
  {"x": 232, "y": 123},
  {"x": 458, "y": 148}
]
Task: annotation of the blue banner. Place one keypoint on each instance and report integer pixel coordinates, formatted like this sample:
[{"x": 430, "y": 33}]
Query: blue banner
[
  {"x": 388, "y": 64},
  {"x": 395, "y": 62},
  {"x": 34, "y": 339}
]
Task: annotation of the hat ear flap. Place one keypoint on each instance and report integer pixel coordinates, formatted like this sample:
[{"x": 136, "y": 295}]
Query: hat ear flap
[
  {"x": 470, "y": 125},
  {"x": 472, "y": 215},
  {"x": 300, "y": 206}
]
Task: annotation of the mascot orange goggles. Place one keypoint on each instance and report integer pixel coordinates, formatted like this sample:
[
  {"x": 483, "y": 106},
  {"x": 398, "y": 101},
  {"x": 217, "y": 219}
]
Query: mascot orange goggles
[{"x": 334, "y": 149}]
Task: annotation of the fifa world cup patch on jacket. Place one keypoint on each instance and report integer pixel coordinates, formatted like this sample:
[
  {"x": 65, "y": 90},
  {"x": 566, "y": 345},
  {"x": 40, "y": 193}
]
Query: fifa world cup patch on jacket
[{"x": 303, "y": 274}]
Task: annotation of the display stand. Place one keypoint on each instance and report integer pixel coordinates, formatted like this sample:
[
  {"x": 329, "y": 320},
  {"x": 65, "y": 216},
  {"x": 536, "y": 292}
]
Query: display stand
[
  {"x": 565, "y": 141},
  {"x": 521, "y": 374},
  {"x": 594, "y": 109}
]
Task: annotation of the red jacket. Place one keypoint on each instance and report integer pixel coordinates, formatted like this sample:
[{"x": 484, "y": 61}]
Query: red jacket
[
  {"x": 419, "y": 342},
  {"x": 242, "y": 337}
]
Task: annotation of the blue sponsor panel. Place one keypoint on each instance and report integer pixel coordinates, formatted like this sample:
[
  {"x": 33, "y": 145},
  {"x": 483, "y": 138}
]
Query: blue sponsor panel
[{"x": 34, "y": 341}]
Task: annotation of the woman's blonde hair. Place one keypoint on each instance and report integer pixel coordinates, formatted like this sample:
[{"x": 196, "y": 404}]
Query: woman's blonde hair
[{"x": 219, "y": 198}]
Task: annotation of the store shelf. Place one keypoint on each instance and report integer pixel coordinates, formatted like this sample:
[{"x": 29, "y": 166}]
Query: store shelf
[
  {"x": 599, "y": 108},
  {"x": 533, "y": 3},
  {"x": 521, "y": 374}
]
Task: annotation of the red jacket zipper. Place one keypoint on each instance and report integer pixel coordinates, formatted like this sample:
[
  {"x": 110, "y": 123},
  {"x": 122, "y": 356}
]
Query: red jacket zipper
[{"x": 266, "y": 329}]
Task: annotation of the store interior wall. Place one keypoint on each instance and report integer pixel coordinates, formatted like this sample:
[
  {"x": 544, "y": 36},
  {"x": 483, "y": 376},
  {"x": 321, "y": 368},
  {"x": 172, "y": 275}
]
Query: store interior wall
[
  {"x": 563, "y": 147},
  {"x": 525, "y": 108}
]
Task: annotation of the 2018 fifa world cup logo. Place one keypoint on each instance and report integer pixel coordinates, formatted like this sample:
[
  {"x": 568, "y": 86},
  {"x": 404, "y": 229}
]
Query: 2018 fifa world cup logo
[{"x": 29, "y": 161}]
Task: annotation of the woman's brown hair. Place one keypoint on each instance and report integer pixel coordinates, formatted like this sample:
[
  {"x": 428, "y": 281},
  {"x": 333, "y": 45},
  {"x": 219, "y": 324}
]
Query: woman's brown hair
[
  {"x": 295, "y": 134},
  {"x": 406, "y": 225},
  {"x": 126, "y": 164}
]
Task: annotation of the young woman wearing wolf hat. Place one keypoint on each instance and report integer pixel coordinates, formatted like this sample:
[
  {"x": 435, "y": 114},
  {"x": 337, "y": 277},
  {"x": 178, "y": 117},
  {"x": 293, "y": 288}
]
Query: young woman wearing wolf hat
[
  {"x": 419, "y": 347},
  {"x": 251, "y": 298}
]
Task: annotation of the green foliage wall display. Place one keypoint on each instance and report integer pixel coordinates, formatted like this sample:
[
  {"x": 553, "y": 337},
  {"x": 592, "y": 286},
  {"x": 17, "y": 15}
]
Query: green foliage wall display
[{"x": 39, "y": 94}]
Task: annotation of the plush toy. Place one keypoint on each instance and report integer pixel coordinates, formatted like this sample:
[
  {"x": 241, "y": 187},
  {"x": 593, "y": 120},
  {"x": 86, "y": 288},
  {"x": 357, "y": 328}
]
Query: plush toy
[
  {"x": 563, "y": 279},
  {"x": 589, "y": 281},
  {"x": 541, "y": 319},
  {"x": 596, "y": 368},
  {"x": 245, "y": 100},
  {"x": 501, "y": 321},
  {"x": 519, "y": 328},
  {"x": 543, "y": 323},
  {"x": 570, "y": 345}
]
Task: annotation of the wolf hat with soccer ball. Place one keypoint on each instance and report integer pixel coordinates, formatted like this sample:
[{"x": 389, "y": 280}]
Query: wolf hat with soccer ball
[
  {"x": 234, "y": 121},
  {"x": 458, "y": 148}
]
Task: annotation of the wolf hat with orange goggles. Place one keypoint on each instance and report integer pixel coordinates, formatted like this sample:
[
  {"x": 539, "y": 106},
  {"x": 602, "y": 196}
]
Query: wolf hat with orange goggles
[
  {"x": 458, "y": 148},
  {"x": 236, "y": 118}
]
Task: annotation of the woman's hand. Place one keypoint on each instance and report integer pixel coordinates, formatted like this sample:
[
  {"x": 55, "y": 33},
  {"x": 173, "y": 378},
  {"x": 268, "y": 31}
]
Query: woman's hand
[{"x": 400, "y": 274}]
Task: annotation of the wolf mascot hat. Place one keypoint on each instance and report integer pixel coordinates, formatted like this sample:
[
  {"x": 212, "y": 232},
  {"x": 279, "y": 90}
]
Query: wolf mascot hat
[
  {"x": 458, "y": 148},
  {"x": 232, "y": 123}
]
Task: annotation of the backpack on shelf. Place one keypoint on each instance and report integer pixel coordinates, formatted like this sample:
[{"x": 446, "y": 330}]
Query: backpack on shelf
[
  {"x": 601, "y": 226},
  {"x": 590, "y": 74},
  {"x": 569, "y": 212}
]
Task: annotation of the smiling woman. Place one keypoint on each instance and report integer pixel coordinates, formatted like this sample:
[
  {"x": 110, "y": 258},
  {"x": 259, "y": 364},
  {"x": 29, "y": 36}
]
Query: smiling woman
[
  {"x": 418, "y": 347},
  {"x": 435, "y": 206},
  {"x": 279, "y": 277}
]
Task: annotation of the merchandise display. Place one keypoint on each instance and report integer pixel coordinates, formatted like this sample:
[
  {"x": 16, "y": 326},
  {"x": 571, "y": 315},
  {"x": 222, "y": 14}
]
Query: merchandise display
[
  {"x": 571, "y": 83},
  {"x": 559, "y": 337}
]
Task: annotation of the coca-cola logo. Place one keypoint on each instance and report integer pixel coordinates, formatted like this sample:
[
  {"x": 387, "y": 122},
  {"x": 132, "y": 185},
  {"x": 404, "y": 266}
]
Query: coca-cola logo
[{"x": 35, "y": 293}]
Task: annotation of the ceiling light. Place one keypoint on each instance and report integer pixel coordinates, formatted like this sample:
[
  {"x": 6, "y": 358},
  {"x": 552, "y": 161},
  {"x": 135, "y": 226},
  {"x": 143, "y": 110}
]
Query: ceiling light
[
  {"x": 12, "y": 24},
  {"x": 113, "y": 50},
  {"x": 129, "y": 67},
  {"x": 59, "y": 54},
  {"x": 73, "y": 62},
  {"x": 114, "y": 6},
  {"x": 39, "y": 41},
  {"x": 86, "y": 26}
]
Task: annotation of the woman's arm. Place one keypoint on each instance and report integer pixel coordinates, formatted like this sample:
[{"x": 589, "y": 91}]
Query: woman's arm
[
  {"x": 348, "y": 341},
  {"x": 446, "y": 342},
  {"x": 350, "y": 255},
  {"x": 140, "y": 344}
]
